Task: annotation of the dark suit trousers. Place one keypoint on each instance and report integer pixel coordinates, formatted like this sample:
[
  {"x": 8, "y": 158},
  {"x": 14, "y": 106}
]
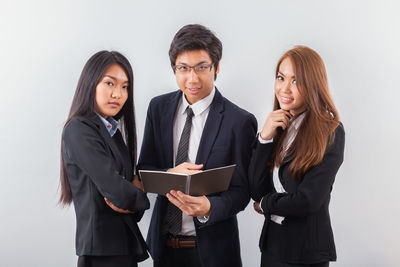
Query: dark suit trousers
[
  {"x": 179, "y": 257},
  {"x": 107, "y": 261},
  {"x": 270, "y": 258},
  {"x": 268, "y": 261}
]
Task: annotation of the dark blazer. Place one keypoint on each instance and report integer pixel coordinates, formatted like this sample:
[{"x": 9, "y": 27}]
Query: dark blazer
[
  {"x": 227, "y": 138},
  {"x": 307, "y": 235},
  {"x": 98, "y": 166}
]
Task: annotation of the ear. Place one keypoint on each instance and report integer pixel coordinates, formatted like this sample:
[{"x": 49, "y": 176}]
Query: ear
[{"x": 217, "y": 70}]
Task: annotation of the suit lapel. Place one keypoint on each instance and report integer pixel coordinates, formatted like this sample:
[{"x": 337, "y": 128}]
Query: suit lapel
[
  {"x": 167, "y": 125},
  {"x": 285, "y": 166},
  {"x": 118, "y": 140},
  {"x": 112, "y": 145},
  {"x": 211, "y": 129}
]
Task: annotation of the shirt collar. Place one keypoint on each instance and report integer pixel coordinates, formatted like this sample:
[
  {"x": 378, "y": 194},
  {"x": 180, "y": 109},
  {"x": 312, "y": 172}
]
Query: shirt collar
[
  {"x": 110, "y": 123},
  {"x": 198, "y": 107},
  {"x": 297, "y": 121}
]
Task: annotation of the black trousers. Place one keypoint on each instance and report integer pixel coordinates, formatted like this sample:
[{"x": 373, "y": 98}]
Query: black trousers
[
  {"x": 268, "y": 260},
  {"x": 179, "y": 257},
  {"x": 269, "y": 257},
  {"x": 107, "y": 261}
]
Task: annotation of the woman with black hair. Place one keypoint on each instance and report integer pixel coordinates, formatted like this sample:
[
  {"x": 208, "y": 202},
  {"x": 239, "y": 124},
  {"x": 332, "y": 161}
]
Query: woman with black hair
[{"x": 98, "y": 160}]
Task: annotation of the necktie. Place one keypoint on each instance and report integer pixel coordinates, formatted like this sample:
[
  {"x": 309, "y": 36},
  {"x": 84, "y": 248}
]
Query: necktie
[{"x": 174, "y": 215}]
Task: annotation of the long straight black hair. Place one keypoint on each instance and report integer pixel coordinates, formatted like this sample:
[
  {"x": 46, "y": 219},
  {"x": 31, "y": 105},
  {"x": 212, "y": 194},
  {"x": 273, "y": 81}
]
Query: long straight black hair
[{"x": 84, "y": 105}]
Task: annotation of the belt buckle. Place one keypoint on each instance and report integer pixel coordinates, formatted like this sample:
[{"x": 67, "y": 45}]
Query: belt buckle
[
  {"x": 172, "y": 241},
  {"x": 175, "y": 242}
]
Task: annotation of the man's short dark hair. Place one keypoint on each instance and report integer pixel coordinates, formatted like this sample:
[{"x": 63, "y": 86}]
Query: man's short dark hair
[{"x": 196, "y": 37}]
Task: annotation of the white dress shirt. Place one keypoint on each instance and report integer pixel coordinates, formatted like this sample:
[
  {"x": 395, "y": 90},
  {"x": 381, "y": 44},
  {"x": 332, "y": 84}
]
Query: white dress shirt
[
  {"x": 200, "y": 110},
  {"x": 291, "y": 135}
]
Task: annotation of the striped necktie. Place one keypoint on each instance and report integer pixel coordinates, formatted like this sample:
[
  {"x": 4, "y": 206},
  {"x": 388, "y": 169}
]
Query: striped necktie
[{"x": 173, "y": 222}]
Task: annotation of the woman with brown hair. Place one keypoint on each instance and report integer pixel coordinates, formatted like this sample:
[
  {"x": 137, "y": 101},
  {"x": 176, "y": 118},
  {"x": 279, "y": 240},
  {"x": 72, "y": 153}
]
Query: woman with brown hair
[{"x": 294, "y": 165}]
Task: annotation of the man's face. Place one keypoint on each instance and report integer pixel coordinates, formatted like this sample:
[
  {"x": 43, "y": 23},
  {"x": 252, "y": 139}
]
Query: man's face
[{"x": 195, "y": 74}]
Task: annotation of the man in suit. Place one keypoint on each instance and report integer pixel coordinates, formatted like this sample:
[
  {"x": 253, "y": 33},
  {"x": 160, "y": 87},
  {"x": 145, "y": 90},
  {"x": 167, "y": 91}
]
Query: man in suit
[{"x": 189, "y": 130}]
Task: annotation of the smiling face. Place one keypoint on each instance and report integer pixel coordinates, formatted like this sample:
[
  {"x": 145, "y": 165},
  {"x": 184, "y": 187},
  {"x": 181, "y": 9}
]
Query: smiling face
[
  {"x": 112, "y": 91},
  {"x": 195, "y": 86},
  {"x": 286, "y": 90}
]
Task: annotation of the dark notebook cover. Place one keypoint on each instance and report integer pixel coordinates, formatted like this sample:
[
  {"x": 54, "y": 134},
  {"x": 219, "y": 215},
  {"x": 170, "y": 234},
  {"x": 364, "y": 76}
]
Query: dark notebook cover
[{"x": 203, "y": 183}]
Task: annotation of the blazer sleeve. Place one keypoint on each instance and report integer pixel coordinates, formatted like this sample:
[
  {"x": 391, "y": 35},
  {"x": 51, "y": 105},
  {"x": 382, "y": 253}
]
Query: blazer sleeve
[
  {"x": 236, "y": 198},
  {"x": 315, "y": 187},
  {"x": 260, "y": 175},
  {"x": 83, "y": 145}
]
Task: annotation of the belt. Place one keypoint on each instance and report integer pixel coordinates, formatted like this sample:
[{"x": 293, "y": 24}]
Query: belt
[{"x": 181, "y": 241}]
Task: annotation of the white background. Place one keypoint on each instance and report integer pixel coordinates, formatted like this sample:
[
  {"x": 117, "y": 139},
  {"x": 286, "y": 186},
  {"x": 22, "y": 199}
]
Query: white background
[{"x": 44, "y": 45}]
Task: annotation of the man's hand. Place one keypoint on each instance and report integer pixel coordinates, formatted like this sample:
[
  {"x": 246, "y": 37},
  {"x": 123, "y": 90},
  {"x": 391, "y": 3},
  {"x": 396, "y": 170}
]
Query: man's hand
[
  {"x": 115, "y": 208},
  {"x": 191, "y": 206},
  {"x": 256, "y": 206},
  {"x": 137, "y": 183},
  {"x": 187, "y": 168}
]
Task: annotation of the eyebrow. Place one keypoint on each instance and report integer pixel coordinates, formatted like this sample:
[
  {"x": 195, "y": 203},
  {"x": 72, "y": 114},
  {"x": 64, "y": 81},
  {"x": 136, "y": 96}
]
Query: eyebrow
[
  {"x": 109, "y": 76},
  {"x": 201, "y": 62},
  {"x": 285, "y": 75}
]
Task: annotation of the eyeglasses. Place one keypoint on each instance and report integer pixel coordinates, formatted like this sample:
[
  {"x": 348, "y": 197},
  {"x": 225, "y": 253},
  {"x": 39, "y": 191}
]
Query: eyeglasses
[{"x": 198, "y": 69}]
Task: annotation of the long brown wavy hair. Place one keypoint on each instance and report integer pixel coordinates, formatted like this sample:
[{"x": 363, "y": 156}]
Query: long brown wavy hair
[{"x": 317, "y": 130}]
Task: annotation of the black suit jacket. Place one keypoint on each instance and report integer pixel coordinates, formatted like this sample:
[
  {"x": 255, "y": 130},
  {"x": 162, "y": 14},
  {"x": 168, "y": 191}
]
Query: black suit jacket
[
  {"x": 227, "y": 138},
  {"x": 98, "y": 166},
  {"x": 307, "y": 235}
]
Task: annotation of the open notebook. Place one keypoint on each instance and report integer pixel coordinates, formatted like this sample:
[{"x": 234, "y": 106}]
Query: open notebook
[{"x": 203, "y": 183}]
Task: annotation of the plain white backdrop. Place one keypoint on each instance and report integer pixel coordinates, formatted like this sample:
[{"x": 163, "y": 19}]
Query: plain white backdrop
[{"x": 44, "y": 45}]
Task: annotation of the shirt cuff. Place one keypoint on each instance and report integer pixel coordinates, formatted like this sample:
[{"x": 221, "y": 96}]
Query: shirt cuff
[
  {"x": 203, "y": 219},
  {"x": 260, "y": 204},
  {"x": 262, "y": 141}
]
